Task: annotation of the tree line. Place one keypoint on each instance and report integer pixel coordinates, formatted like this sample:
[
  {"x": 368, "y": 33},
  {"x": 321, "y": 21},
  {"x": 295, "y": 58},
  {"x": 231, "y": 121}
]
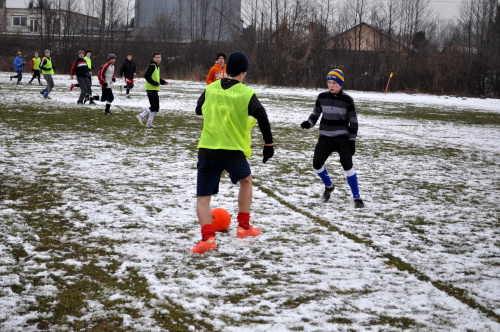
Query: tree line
[{"x": 291, "y": 42}]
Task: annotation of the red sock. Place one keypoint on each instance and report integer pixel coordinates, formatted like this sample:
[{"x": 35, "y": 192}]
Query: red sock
[
  {"x": 207, "y": 231},
  {"x": 244, "y": 220}
]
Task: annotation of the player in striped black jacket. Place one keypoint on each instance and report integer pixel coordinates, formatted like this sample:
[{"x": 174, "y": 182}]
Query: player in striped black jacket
[
  {"x": 338, "y": 130},
  {"x": 81, "y": 69}
]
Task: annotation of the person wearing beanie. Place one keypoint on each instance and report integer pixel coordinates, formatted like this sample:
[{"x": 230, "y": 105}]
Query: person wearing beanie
[
  {"x": 106, "y": 77},
  {"x": 237, "y": 63},
  {"x": 35, "y": 66},
  {"x": 218, "y": 70},
  {"x": 88, "y": 53},
  {"x": 81, "y": 70},
  {"x": 338, "y": 130},
  {"x": 18, "y": 67},
  {"x": 153, "y": 83},
  {"x": 128, "y": 71},
  {"x": 47, "y": 71},
  {"x": 227, "y": 147}
]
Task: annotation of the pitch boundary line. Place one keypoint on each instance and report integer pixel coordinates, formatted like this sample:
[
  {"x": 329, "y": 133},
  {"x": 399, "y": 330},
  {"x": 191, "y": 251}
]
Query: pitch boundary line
[{"x": 456, "y": 292}]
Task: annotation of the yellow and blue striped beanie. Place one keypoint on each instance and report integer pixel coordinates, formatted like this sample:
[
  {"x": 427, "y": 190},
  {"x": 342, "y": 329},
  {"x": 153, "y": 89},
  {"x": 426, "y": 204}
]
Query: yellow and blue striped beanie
[{"x": 336, "y": 75}]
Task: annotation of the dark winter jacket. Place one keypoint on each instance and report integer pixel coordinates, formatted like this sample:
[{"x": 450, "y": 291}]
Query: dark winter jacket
[
  {"x": 128, "y": 69},
  {"x": 80, "y": 68},
  {"x": 339, "y": 115}
]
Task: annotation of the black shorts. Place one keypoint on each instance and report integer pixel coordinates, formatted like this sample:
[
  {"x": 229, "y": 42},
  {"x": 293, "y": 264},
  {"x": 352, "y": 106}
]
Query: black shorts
[
  {"x": 129, "y": 82},
  {"x": 209, "y": 173},
  {"x": 327, "y": 145}
]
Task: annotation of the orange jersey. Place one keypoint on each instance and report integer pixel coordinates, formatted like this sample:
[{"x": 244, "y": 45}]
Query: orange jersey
[{"x": 216, "y": 73}]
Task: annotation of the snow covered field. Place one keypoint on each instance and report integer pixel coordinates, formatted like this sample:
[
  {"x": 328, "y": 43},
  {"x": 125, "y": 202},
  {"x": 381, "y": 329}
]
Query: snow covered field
[{"x": 98, "y": 216}]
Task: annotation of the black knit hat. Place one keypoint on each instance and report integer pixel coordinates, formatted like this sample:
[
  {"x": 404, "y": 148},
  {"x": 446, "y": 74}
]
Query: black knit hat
[
  {"x": 221, "y": 55},
  {"x": 237, "y": 63}
]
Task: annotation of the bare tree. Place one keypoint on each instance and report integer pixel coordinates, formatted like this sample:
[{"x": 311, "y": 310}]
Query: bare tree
[
  {"x": 128, "y": 7},
  {"x": 89, "y": 9},
  {"x": 103, "y": 22},
  {"x": 478, "y": 22},
  {"x": 48, "y": 22},
  {"x": 70, "y": 27}
]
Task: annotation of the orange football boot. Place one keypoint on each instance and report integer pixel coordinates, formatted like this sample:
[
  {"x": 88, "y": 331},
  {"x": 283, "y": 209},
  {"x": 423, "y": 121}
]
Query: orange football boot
[
  {"x": 252, "y": 231},
  {"x": 203, "y": 246}
]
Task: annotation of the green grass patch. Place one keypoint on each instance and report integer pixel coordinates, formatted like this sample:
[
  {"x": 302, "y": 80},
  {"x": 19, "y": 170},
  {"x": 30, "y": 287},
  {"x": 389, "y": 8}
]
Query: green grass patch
[
  {"x": 411, "y": 112},
  {"x": 399, "y": 322}
]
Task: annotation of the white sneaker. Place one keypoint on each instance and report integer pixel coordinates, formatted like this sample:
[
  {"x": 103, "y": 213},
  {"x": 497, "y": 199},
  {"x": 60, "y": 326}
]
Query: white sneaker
[
  {"x": 138, "y": 116},
  {"x": 150, "y": 126}
]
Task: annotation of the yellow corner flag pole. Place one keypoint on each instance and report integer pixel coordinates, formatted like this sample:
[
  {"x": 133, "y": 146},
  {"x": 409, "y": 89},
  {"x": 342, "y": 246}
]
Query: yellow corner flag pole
[{"x": 389, "y": 81}]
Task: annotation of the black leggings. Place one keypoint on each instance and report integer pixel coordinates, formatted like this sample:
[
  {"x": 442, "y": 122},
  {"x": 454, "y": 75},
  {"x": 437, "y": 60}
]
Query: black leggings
[
  {"x": 327, "y": 145},
  {"x": 107, "y": 95}
]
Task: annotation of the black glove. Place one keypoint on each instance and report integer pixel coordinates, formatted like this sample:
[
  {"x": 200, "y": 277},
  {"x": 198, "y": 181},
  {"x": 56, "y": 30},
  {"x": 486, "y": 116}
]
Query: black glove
[
  {"x": 53, "y": 67},
  {"x": 305, "y": 125},
  {"x": 105, "y": 85},
  {"x": 113, "y": 79},
  {"x": 352, "y": 144},
  {"x": 268, "y": 153}
]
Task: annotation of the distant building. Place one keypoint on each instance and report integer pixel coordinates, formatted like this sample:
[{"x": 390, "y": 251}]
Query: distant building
[
  {"x": 364, "y": 37},
  {"x": 189, "y": 20},
  {"x": 18, "y": 20},
  {"x": 29, "y": 20}
]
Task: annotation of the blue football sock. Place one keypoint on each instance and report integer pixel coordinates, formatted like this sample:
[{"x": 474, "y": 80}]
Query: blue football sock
[
  {"x": 352, "y": 180},
  {"x": 323, "y": 174}
]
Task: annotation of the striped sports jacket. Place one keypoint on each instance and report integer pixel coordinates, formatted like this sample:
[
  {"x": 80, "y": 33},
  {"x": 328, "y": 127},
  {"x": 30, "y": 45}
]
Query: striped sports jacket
[{"x": 338, "y": 115}]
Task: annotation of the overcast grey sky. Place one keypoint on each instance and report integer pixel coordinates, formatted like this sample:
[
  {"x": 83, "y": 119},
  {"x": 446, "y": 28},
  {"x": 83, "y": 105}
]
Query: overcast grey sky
[{"x": 445, "y": 8}]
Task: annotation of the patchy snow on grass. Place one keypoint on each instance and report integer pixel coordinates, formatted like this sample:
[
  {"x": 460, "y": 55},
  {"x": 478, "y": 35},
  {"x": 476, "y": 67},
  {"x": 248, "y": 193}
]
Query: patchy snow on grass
[{"x": 423, "y": 255}]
